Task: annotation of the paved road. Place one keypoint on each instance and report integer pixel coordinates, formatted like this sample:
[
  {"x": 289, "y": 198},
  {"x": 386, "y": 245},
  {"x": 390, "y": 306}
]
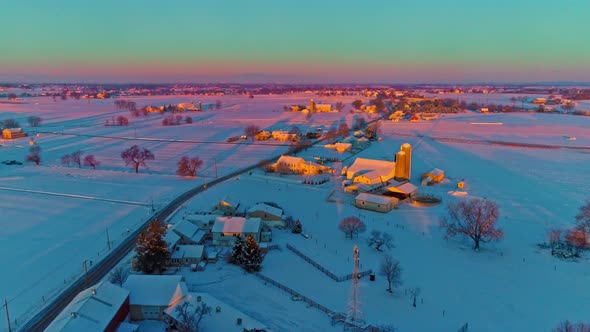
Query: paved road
[{"x": 100, "y": 269}]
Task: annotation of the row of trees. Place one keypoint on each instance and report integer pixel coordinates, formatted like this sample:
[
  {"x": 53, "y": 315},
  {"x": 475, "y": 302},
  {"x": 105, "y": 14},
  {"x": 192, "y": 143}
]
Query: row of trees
[
  {"x": 76, "y": 159},
  {"x": 176, "y": 120}
]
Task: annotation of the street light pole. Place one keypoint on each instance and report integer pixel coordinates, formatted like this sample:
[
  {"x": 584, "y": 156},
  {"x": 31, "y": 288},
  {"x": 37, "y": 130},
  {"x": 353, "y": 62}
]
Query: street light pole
[{"x": 7, "y": 316}]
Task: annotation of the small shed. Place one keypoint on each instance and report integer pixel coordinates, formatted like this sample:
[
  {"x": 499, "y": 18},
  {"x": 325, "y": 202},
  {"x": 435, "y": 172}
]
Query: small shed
[
  {"x": 437, "y": 175},
  {"x": 376, "y": 203}
]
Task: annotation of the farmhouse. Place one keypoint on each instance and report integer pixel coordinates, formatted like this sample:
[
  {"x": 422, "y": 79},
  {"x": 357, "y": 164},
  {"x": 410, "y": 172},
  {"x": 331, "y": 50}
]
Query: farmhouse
[
  {"x": 150, "y": 295},
  {"x": 223, "y": 317},
  {"x": 189, "y": 233},
  {"x": 226, "y": 229},
  {"x": 282, "y": 135},
  {"x": 186, "y": 255},
  {"x": 370, "y": 171},
  {"x": 436, "y": 175},
  {"x": 299, "y": 166},
  {"x": 270, "y": 215},
  {"x": 339, "y": 146},
  {"x": 101, "y": 307},
  {"x": 376, "y": 203},
  {"x": 263, "y": 135},
  {"x": 13, "y": 133},
  {"x": 540, "y": 101},
  {"x": 187, "y": 107},
  {"x": 227, "y": 206}
]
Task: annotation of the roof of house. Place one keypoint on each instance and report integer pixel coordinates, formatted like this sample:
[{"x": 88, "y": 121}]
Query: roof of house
[
  {"x": 171, "y": 238},
  {"x": 377, "y": 199},
  {"x": 290, "y": 160},
  {"x": 437, "y": 172},
  {"x": 199, "y": 218},
  {"x": 14, "y": 130},
  {"x": 371, "y": 168},
  {"x": 155, "y": 290},
  {"x": 236, "y": 225},
  {"x": 91, "y": 310},
  {"x": 188, "y": 251},
  {"x": 404, "y": 188},
  {"x": 127, "y": 327},
  {"x": 225, "y": 320},
  {"x": 185, "y": 228},
  {"x": 263, "y": 207}
]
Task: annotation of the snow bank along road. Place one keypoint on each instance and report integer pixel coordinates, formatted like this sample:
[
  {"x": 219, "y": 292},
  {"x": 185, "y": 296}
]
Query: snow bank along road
[{"x": 92, "y": 198}]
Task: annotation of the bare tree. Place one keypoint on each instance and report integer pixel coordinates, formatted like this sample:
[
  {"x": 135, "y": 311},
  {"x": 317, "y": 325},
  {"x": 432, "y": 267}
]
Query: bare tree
[
  {"x": 475, "y": 219},
  {"x": 218, "y": 104},
  {"x": 118, "y": 276},
  {"x": 137, "y": 156},
  {"x": 66, "y": 159},
  {"x": 34, "y": 155},
  {"x": 414, "y": 293},
  {"x": 392, "y": 271},
  {"x": 90, "y": 160},
  {"x": 554, "y": 239},
  {"x": 190, "y": 316},
  {"x": 34, "y": 121},
  {"x": 357, "y": 104},
  {"x": 583, "y": 215},
  {"x": 339, "y": 106},
  {"x": 568, "y": 326},
  {"x": 351, "y": 226},
  {"x": 76, "y": 158},
  {"x": 10, "y": 123},
  {"x": 12, "y": 96},
  {"x": 577, "y": 238},
  {"x": 251, "y": 131},
  {"x": 189, "y": 166},
  {"x": 380, "y": 240},
  {"x": 343, "y": 129}
]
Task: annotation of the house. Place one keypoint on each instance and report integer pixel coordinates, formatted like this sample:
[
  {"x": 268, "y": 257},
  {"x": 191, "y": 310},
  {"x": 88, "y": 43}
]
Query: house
[
  {"x": 270, "y": 215},
  {"x": 153, "y": 109},
  {"x": 226, "y": 229},
  {"x": 186, "y": 255},
  {"x": 150, "y": 295},
  {"x": 223, "y": 317},
  {"x": 282, "y": 135},
  {"x": 429, "y": 116},
  {"x": 376, "y": 203},
  {"x": 171, "y": 238},
  {"x": 339, "y": 146},
  {"x": 436, "y": 175},
  {"x": 263, "y": 135},
  {"x": 102, "y": 307},
  {"x": 323, "y": 107},
  {"x": 187, "y": 107},
  {"x": 189, "y": 233},
  {"x": 484, "y": 110},
  {"x": 415, "y": 118},
  {"x": 202, "y": 221},
  {"x": 13, "y": 133},
  {"x": 227, "y": 206},
  {"x": 370, "y": 171},
  {"x": 540, "y": 101},
  {"x": 298, "y": 165},
  {"x": 396, "y": 115}
]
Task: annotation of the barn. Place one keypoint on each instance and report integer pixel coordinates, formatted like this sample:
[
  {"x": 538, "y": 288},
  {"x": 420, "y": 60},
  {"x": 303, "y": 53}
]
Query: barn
[{"x": 376, "y": 203}]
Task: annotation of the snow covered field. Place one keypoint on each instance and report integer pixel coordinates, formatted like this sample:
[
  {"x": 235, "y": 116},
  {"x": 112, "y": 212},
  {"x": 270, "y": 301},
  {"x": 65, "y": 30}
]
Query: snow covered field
[{"x": 507, "y": 286}]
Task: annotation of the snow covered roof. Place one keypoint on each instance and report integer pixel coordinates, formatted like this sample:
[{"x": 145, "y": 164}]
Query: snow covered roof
[
  {"x": 188, "y": 251},
  {"x": 91, "y": 310},
  {"x": 236, "y": 225},
  {"x": 127, "y": 327},
  {"x": 372, "y": 168},
  {"x": 14, "y": 130},
  {"x": 437, "y": 172},
  {"x": 377, "y": 199},
  {"x": 155, "y": 290},
  {"x": 199, "y": 218},
  {"x": 405, "y": 188},
  {"x": 224, "y": 320},
  {"x": 266, "y": 209},
  {"x": 185, "y": 228},
  {"x": 171, "y": 238},
  {"x": 290, "y": 160}
]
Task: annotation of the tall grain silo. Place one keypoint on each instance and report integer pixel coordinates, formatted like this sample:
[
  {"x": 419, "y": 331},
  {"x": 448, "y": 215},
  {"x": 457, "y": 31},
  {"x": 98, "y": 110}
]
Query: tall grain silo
[
  {"x": 400, "y": 165},
  {"x": 407, "y": 148},
  {"x": 312, "y": 105}
]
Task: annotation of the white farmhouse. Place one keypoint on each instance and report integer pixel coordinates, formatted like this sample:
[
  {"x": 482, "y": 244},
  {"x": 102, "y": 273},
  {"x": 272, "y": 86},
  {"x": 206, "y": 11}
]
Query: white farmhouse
[{"x": 226, "y": 229}]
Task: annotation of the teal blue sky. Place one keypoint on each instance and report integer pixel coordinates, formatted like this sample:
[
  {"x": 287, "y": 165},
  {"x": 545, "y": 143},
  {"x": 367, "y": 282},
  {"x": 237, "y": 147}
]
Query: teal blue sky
[{"x": 295, "y": 41}]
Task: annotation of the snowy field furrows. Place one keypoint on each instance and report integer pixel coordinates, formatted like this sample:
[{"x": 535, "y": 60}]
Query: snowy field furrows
[{"x": 507, "y": 286}]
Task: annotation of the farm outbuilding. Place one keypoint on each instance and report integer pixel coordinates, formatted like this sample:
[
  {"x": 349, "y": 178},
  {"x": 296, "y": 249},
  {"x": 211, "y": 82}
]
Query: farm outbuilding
[
  {"x": 436, "y": 175},
  {"x": 13, "y": 133},
  {"x": 376, "y": 203}
]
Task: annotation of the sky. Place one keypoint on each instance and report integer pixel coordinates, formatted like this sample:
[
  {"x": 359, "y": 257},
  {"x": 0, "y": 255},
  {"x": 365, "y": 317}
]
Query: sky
[{"x": 303, "y": 41}]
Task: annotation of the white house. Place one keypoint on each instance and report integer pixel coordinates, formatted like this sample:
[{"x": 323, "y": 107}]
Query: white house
[
  {"x": 189, "y": 233},
  {"x": 102, "y": 307},
  {"x": 226, "y": 229},
  {"x": 377, "y": 203},
  {"x": 298, "y": 165},
  {"x": 370, "y": 171},
  {"x": 150, "y": 295},
  {"x": 186, "y": 255},
  {"x": 223, "y": 317}
]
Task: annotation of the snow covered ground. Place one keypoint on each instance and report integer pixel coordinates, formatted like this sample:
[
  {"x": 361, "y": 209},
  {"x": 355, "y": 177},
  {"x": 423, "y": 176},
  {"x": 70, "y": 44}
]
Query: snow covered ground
[{"x": 507, "y": 286}]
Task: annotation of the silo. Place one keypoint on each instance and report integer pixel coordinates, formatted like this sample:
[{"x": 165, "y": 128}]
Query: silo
[
  {"x": 400, "y": 165},
  {"x": 312, "y": 105},
  {"x": 407, "y": 148}
]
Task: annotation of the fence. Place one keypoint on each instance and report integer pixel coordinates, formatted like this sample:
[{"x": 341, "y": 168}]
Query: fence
[{"x": 323, "y": 269}]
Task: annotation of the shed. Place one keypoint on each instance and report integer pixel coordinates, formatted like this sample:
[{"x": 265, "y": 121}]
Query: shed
[
  {"x": 401, "y": 191},
  {"x": 437, "y": 175},
  {"x": 377, "y": 203}
]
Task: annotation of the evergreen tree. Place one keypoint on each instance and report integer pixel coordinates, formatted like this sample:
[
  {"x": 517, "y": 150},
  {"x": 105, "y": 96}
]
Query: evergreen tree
[
  {"x": 237, "y": 255},
  {"x": 152, "y": 251},
  {"x": 252, "y": 255}
]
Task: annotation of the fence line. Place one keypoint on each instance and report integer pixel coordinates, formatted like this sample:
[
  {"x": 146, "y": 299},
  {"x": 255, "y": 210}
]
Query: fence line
[{"x": 325, "y": 270}]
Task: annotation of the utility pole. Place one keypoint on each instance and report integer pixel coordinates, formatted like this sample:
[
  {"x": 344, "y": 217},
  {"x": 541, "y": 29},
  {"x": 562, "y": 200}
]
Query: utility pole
[
  {"x": 7, "y": 316},
  {"x": 215, "y": 161},
  {"x": 108, "y": 239},
  {"x": 85, "y": 274}
]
